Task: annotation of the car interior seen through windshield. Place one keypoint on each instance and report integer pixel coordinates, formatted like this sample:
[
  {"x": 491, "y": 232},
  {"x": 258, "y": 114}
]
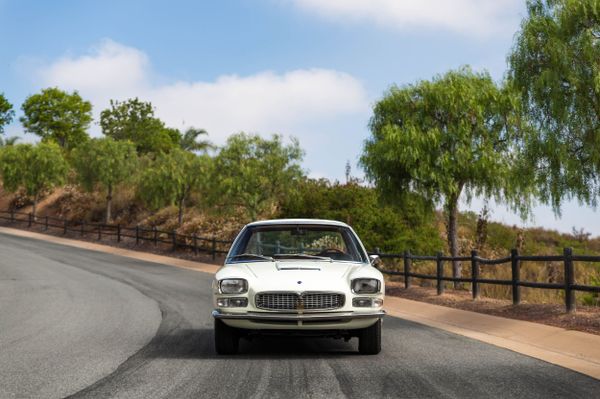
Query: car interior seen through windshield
[{"x": 267, "y": 243}]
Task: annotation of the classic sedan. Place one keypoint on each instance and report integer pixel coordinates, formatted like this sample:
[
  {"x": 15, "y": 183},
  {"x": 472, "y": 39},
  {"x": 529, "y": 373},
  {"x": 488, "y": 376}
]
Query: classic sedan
[{"x": 302, "y": 277}]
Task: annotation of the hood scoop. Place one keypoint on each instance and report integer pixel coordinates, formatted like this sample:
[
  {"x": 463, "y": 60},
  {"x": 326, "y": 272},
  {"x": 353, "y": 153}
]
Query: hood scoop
[{"x": 279, "y": 267}]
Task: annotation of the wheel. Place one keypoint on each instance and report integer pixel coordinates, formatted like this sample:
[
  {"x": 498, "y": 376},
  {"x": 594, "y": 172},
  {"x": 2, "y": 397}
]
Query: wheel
[
  {"x": 369, "y": 339},
  {"x": 226, "y": 339}
]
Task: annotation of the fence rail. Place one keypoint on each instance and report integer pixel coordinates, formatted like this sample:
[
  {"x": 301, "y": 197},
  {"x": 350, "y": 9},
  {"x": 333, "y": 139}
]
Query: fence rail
[
  {"x": 195, "y": 243},
  {"x": 213, "y": 247},
  {"x": 515, "y": 260}
]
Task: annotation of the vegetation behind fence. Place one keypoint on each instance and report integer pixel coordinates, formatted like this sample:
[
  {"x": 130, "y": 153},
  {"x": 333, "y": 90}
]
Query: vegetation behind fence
[
  {"x": 515, "y": 260},
  {"x": 195, "y": 243},
  {"x": 212, "y": 246}
]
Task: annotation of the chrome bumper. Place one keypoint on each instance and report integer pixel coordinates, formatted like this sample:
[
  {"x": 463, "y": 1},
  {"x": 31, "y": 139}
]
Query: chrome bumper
[{"x": 298, "y": 317}]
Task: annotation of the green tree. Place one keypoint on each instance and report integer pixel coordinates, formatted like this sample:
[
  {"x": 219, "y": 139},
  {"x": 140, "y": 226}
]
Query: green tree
[
  {"x": 439, "y": 139},
  {"x": 172, "y": 178},
  {"x": 134, "y": 120},
  {"x": 389, "y": 228},
  {"x": 57, "y": 115},
  {"x": 6, "y": 112},
  {"x": 105, "y": 163},
  {"x": 255, "y": 174},
  {"x": 34, "y": 168},
  {"x": 555, "y": 66},
  {"x": 189, "y": 140}
]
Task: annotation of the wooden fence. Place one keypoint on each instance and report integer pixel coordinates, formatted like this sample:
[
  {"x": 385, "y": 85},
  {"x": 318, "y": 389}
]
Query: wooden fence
[
  {"x": 514, "y": 260},
  {"x": 172, "y": 239},
  {"x": 214, "y": 247}
]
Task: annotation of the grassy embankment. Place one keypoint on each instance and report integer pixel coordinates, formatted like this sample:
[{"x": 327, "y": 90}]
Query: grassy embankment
[{"x": 74, "y": 204}]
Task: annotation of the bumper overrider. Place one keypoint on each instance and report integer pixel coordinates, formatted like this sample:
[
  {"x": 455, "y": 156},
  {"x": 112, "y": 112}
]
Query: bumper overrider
[{"x": 263, "y": 316}]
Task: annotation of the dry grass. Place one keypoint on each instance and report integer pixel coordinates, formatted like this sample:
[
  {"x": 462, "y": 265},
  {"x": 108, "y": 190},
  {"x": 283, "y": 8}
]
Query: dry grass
[{"x": 73, "y": 203}]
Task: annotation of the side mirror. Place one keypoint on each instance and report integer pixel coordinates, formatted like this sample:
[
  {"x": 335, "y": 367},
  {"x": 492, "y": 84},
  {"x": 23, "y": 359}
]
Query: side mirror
[{"x": 375, "y": 260}]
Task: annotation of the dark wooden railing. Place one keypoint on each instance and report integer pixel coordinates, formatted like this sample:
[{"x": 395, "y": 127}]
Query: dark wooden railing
[
  {"x": 214, "y": 247},
  {"x": 567, "y": 258},
  {"x": 174, "y": 240}
]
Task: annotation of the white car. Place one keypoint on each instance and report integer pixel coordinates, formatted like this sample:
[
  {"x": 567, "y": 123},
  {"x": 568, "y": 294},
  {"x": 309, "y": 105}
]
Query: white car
[{"x": 300, "y": 276}]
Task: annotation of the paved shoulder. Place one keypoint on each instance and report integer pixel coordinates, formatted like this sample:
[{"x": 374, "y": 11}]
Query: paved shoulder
[{"x": 61, "y": 327}]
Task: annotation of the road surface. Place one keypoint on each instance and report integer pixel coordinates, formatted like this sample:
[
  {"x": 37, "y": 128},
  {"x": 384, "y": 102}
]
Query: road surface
[{"x": 86, "y": 324}]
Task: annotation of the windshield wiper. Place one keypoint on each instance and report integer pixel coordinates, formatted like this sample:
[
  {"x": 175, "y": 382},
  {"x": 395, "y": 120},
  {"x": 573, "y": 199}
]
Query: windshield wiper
[
  {"x": 303, "y": 256},
  {"x": 256, "y": 256}
]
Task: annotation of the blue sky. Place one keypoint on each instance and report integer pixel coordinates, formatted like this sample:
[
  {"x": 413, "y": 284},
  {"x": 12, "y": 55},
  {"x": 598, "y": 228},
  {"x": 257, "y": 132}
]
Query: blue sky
[{"x": 305, "y": 68}]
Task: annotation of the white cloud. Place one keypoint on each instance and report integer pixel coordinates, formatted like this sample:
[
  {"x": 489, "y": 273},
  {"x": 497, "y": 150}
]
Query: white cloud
[
  {"x": 469, "y": 17},
  {"x": 265, "y": 102}
]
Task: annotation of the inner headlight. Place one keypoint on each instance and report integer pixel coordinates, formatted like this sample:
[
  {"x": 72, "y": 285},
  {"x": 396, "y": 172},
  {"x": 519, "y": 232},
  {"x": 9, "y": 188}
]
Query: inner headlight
[
  {"x": 233, "y": 286},
  {"x": 365, "y": 286}
]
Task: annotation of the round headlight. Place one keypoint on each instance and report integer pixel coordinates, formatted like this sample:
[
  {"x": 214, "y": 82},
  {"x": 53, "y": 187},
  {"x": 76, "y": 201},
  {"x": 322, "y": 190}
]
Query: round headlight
[
  {"x": 365, "y": 286},
  {"x": 233, "y": 286}
]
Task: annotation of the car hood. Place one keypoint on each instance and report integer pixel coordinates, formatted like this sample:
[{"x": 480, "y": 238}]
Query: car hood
[{"x": 293, "y": 275}]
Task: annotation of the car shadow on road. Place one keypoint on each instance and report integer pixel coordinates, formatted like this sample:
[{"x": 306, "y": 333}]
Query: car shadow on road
[{"x": 199, "y": 344}]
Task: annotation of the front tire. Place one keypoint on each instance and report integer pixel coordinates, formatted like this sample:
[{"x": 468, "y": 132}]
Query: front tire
[
  {"x": 226, "y": 339},
  {"x": 369, "y": 339}
]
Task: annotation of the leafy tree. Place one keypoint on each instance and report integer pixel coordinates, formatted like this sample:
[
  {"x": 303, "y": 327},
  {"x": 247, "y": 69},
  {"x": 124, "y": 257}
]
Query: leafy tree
[
  {"x": 57, "y": 115},
  {"x": 106, "y": 163},
  {"x": 391, "y": 229},
  {"x": 172, "y": 178},
  {"x": 255, "y": 174},
  {"x": 555, "y": 66},
  {"x": 134, "y": 120},
  {"x": 6, "y": 112},
  {"x": 33, "y": 168},
  {"x": 439, "y": 139},
  {"x": 189, "y": 140}
]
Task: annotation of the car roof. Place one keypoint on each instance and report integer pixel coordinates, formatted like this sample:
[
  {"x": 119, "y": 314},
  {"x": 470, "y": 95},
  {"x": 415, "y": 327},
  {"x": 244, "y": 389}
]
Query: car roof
[{"x": 321, "y": 222}]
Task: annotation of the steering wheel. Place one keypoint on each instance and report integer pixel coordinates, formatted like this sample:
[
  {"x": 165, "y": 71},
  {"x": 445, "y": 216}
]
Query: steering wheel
[{"x": 333, "y": 251}]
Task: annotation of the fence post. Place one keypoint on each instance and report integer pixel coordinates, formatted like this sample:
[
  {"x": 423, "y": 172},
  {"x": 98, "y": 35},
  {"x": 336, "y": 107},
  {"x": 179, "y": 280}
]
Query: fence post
[
  {"x": 516, "y": 276},
  {"x": 407, "y": 264},
  {"x": 82, "y": 228},
  {"x": 65, "y": 226},
  {"x": 214, "y": 248},
  {"x": 155, "y": 231},
  {"x": 174, "y": 240},
  {"x": 119, "y": 232},
  {"x": 137, "y": 234},
  {"x": 474, "y": 275},
  {"x": 195, "y": 241},
  {"x": 99, "y": 231},
  {"x": 440, "y": 274},
  {"x": 46, "y": 223},
  {"x": 569, "y": 280},
  {"x": 30, "y": 219},
  {"x": 12, "y": 215}
]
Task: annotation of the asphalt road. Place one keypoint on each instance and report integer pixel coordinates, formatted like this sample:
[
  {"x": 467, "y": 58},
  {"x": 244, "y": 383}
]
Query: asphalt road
[{"x": 90, "y": 325}]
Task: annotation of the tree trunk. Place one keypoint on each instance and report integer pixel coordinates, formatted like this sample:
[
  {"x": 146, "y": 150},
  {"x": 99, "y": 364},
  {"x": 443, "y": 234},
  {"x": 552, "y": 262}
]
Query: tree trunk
[
  {"x": 36, "y": 199},
  {"x": 180, "y": 217},
  {"x": 452, "y": 211},
  {"x": 108, "y": 205}
]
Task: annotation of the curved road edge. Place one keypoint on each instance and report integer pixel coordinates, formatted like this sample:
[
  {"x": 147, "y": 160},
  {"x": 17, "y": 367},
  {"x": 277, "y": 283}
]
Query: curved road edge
[{"x": 54, "y": 318}]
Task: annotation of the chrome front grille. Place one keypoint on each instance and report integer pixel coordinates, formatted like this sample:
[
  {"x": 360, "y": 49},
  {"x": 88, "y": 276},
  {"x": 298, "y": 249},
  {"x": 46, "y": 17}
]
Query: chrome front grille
[{"x": 299, "y": 301}]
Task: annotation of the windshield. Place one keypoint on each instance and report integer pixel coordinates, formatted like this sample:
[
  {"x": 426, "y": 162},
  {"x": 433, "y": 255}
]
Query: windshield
[{"x": 304, "y": 242}]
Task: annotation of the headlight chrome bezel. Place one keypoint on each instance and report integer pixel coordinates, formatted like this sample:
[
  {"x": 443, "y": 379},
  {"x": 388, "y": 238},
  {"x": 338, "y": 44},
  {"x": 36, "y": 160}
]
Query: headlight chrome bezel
[
  {"x": 241, "y": 283},
  {"x": 375, "y": 290}
]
